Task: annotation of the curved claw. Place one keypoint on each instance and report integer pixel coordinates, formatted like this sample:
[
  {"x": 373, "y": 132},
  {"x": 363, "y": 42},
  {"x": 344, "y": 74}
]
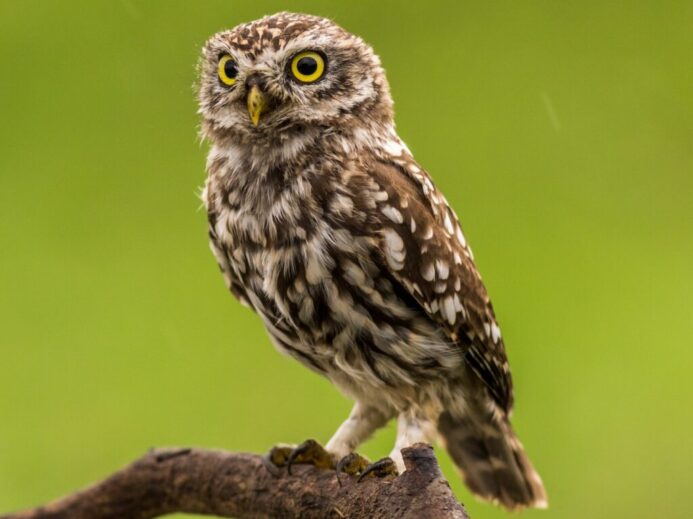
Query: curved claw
[
  {"x": 277, "y": 458},
  {"x": 279, "y": 454},
  {"x": 312, "y": 453},
  {"x": 352, "y": 464},
  {"x": 381, "y": 468}
]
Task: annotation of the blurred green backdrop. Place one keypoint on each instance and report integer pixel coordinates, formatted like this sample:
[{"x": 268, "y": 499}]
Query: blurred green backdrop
[{"x": 561, "y": 131}]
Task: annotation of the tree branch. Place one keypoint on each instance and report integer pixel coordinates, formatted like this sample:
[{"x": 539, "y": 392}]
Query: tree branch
[{"x": 227, "y": 484}]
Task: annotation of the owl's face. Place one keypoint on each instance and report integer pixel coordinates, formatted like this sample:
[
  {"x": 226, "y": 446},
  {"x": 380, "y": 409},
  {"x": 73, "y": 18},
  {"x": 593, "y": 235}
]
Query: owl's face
[{"x": 288, "y": 72}]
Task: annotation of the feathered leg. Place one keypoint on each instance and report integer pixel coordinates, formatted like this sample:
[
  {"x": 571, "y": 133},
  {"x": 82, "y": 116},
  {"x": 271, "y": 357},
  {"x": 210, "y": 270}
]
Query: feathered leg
[
  {"x": 412, "y": 427},
  {"x": 363, "y": 421}
]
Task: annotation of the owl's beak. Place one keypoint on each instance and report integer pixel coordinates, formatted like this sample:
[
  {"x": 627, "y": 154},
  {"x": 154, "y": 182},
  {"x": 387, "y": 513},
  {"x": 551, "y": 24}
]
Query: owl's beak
[{"x": 257, "y": 104}]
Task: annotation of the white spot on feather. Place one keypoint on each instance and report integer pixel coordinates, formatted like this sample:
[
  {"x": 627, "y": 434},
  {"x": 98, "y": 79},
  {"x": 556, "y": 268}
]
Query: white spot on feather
[
  {"x": 448, "y": 223},
  {"x": 428, "y": 272},
  {"x": 392, "y": 213},
  {"x": 342, "y": 204},
  {"x": 381, "y": 196},
  {"x": 443, "y": 269},
  {"x": 448, "y": 310},
  {"x": 393, "y": 147},
  {"x": 460, "y": 236},
  {"x": 487, "y": 329},
  {"x": 458, "y": 304},
  {"x": 495, "y": 333},
  {"x": 394, "y": 249}
]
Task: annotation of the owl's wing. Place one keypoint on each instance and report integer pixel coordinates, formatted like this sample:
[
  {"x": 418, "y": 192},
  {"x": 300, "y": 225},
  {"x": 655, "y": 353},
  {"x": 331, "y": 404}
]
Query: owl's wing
[{"x": 424, "y": 249}]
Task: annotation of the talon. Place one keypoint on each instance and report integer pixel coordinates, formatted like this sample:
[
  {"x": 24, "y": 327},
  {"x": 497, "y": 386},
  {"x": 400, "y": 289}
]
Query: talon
[
  {"x": 353, "y": 464},
  {"x": 310, "y": 452},
  {"x": 279, "y": 454},
  {"x": 277, "y": 458},
  {"x": 380, "y": 469}
]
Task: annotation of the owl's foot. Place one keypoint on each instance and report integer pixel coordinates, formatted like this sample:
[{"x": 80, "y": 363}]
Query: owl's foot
[
  {"x": 353, "y": 464},
  {"x": 309, "y": 452},
  {"x": 279, "y": 454},
  {"x": 385, "y": 467}
]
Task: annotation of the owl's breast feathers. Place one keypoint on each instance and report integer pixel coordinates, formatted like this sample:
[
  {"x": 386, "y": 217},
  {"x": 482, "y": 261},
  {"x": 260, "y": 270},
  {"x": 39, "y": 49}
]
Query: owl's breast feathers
[{"x": 358, "y": 250}]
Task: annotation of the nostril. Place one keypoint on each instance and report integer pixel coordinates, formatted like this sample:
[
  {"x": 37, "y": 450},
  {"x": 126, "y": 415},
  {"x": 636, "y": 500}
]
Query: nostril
[{"x": 255, "y": 80}]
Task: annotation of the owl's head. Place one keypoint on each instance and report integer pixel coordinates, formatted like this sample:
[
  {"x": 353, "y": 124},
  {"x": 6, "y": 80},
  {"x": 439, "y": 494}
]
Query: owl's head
[{"x": 287, "y": 73}]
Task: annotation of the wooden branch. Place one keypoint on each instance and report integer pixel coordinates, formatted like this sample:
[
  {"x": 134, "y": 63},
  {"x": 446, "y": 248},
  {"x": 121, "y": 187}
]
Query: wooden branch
[{"x": 227, "y": 484}]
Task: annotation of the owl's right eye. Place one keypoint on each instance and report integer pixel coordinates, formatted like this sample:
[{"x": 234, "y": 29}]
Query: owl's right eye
[{"x": 228, "y": 70}]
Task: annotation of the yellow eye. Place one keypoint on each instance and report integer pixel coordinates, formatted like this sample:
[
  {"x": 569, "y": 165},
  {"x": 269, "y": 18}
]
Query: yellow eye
[
  {"x": 308, "y": 66},
  {"x": 228, "y": 70}
]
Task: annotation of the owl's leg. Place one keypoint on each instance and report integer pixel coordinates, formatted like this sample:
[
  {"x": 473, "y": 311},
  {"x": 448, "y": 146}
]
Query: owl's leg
[
  {"x": 363, "y": 421},
  {"x": 411, "y": 428}
]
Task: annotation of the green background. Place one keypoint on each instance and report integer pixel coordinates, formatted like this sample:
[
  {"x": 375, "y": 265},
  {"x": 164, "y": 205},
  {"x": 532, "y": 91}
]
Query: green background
[{"x": 562, "y": 132}]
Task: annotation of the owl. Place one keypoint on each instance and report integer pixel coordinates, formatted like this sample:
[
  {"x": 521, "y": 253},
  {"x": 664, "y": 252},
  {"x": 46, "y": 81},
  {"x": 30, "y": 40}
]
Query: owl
[{"x": 324, "y": 224}]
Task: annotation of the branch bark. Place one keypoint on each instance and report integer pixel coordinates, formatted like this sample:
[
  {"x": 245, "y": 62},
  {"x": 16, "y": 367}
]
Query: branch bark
[{"x": 227, "y": 484}]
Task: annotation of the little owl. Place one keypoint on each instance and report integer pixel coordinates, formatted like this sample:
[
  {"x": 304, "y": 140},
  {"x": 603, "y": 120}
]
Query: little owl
[{"x": 324, "y": 224}]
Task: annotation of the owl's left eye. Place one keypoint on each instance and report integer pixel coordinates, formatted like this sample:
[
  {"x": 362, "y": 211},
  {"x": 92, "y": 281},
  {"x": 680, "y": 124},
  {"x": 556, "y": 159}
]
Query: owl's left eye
[
  {"x": 308, "y": 66},
  {"x": 228, "y": 70}
]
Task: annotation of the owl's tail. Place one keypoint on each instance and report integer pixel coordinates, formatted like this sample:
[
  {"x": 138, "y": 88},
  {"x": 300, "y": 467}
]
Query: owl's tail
[{"x": 491, "y": 459}]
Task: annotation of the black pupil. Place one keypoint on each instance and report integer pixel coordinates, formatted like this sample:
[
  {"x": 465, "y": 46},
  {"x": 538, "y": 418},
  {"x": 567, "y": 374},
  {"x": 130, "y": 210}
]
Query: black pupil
[
  {"x": 307, "y": 66},
  {"x": 230, "y": 69}
]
